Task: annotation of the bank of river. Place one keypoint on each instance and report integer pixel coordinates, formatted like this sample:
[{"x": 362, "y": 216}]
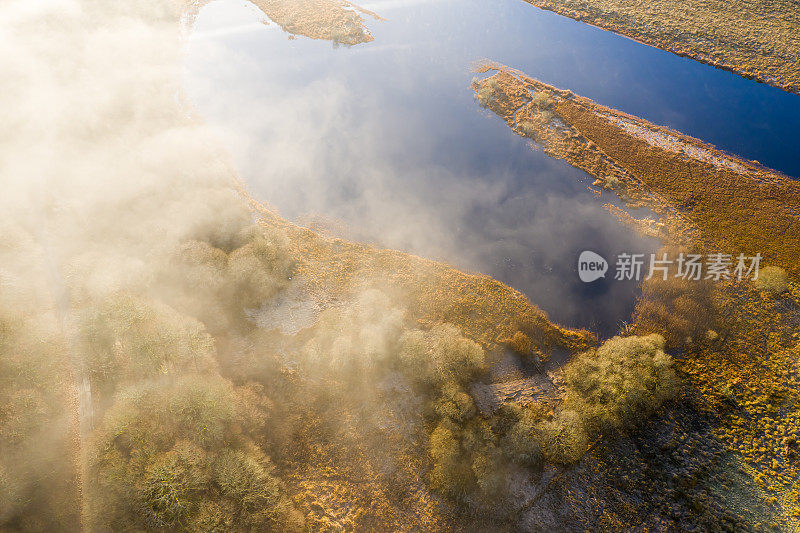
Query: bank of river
[{"x": 383, "y": 142}]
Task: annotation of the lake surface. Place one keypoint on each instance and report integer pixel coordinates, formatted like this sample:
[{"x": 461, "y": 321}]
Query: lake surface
[{"x": 386, "y": 139}]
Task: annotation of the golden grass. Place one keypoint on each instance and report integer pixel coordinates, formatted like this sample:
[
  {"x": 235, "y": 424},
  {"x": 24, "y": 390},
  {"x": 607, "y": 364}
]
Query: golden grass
[
  {"x": 338, "y": 21},
  {"x": 751, "y": 380},
  {"x": 484, "y": 309},
  {"x": 757, "y": 39},
  {"x": 744, "y": 375},
  {"x": 720, "y": 202}
]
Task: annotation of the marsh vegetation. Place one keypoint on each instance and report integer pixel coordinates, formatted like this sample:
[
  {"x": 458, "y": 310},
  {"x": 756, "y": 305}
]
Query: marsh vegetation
[{"x": 175, "y": 356}]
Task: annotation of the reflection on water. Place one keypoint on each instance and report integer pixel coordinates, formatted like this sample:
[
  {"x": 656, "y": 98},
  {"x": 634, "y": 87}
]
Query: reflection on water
[{"x": 387, "y": 137}]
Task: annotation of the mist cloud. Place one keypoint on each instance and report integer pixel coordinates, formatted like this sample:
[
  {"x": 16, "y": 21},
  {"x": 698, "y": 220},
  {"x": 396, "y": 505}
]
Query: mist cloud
[{"x": 340, "y": 133}]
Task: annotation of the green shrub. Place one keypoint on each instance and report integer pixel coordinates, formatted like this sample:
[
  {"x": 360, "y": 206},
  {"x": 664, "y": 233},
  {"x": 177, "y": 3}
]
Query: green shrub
[
  {"x": 521, "y": 442},
  {"x": 37, "y": 454},
  {"x": 455, "y": 357},
  {"x": 547, "y": 116},
  {"x": 620, "y": 383},
  {"x": 127, "y": 338},
  {"x": 220, "y": 287},
  {"x": 32, "y": 351},
  {"x": 245, "y": 478},
  {"x": 359, "y": 336},
  {"x": 224, "y": 222},
  {"x": 455, "y": 404},
  {"x": 528, "y": 129},
  {"x": 440, "y": 356},
  {"x": 489, "y": 469},
  {"x": 180, "y": 455},
  {"x": 368, "y": 337},
  {"x": 468, "y": 464},
  {"x": 772, "y": 280},
  {"x": 256, "y": 272},
  {"x": 172, "y": 486},
  {"x": 450, "y": 473},
  {"x": 564, "y": 438},
  {"x": 487, "y": 91},
  {"x": 370, "y": 333},
  {"x": 413, "y": 356},
  {"x": 9, "y": 499},
  {"x": 23, "y": 413},
  {"x": 198, "y": 409}
]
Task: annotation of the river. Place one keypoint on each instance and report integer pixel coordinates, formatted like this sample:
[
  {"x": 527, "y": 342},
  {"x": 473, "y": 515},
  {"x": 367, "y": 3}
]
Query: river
[{"x": 385, "y": 141}]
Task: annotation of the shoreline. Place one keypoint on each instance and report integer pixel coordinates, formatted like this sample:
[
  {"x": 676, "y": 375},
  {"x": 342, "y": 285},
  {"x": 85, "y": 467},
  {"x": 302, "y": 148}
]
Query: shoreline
[{"x": 781, "y": 73}]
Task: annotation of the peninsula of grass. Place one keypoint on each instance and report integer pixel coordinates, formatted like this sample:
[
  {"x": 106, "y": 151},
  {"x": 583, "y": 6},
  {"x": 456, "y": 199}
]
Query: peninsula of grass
[{"x": 722, "y": 203}]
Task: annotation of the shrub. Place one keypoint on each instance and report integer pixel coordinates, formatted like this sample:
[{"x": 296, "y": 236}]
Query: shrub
[
  {"x": 30, "y": 352},
  {"x": 172, "y": 486},
  {"x": 245, "y": 479},
  {"x": 468, "y": 465},
  {"x": 521, "y": 442},
  {"x": 564, "y": 438},
  {"x": 772, "y": 280},
  {"x": 441, "y": 355},
  {"x": 543, "y": 100},
  {"x": 198, "y": 409},
  {"x": 455, "y": 358},
  {"x": 223, "y": 220},
  {"x": 180, "y": 456},
  {"x": 451, "y": 474},
  {"x": 369, "y": 334},
  {"x": 613, "y": 183},
  {"x": 355, "y": 337},
  {"x": 256, "y": 272},
  {"x": 547, "y": 116},
  {"x": 9, "y": 499},
  {"x": 620, "y": 383},
  {"x": 528, "y": 129},
  {"x": 220, "y": 287},
  {"x": 680, "y": 310},
  {"x": 37, "y": 468},
  {"x": 455, "y": 404},
  {"x": 413, "y": 357},
  {"x": 127, "y": 338},
  {"x": 487, "y": 91},
  {"x": 489, "y": 470}
]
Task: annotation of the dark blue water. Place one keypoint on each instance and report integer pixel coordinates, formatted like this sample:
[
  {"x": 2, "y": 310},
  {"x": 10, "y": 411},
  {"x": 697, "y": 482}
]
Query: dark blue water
[
  {"x": 741, "y": 116},
  {"x": 386, "y": 137}
]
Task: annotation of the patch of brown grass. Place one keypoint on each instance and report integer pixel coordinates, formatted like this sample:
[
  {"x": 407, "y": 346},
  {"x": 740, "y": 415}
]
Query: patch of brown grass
[
  {"x": 754, "y": 38},
  {"x": 484, "y": 309}
]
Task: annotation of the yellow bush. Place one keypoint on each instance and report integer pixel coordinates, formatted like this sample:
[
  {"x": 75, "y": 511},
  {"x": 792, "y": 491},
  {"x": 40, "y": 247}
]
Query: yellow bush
[
  {"x": 451, "y": 473},
  {"x": 772, "y": 280},
  {"x": 623, "y": 381},
  {"x": 455, "y": 404},
  {"x": 180, "y": 455},
  {"x": 563, "y": 438}
]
